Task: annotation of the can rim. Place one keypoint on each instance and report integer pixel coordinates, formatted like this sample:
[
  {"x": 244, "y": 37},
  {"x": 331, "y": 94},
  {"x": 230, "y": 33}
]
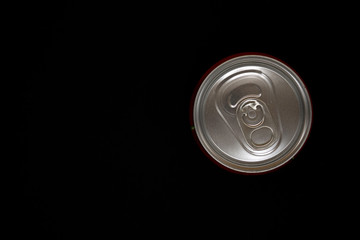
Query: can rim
[{"x": 275, "y": 165}]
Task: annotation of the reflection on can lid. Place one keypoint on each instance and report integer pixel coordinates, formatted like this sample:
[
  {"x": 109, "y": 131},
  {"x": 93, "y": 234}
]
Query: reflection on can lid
[{"x": 252, "y": 113}]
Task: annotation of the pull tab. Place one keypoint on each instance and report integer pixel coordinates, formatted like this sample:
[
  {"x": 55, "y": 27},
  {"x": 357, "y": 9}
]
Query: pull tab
[{"x": 257, "y": 124}]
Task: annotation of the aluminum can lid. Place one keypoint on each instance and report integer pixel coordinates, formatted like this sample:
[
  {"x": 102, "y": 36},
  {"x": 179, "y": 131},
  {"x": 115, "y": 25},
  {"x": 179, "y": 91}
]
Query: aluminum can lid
[{"x": 252, "y": 113}]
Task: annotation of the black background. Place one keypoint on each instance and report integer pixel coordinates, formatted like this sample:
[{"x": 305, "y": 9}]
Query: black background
[{"x": 109, "y": 147}]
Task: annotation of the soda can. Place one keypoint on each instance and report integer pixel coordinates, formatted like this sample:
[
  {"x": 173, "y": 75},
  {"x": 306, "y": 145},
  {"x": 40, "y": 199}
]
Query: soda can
[{"x": 251, "y": 113}]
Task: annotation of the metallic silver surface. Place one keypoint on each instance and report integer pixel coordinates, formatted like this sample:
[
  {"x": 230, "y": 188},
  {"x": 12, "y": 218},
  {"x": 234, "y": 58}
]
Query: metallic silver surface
[{"x": 252, "y": 113}]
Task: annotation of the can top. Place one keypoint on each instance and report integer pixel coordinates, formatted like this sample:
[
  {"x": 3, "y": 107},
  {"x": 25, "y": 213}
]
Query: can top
[{"x": 252, "y": 113}]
